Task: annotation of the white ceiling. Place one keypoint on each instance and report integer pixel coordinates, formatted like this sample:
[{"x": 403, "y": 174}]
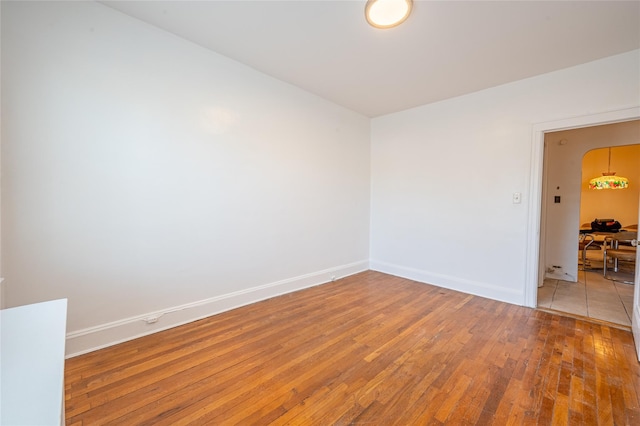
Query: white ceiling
[{"x": 444, "y": 49}]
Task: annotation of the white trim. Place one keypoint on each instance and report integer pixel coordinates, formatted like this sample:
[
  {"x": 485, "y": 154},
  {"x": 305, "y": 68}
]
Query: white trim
[
  {"x": 635, "y": 308},
  {"x": 532, "y": 253},
  {"x": 635, "y": 327},
  {"x": 447, "y": 281},
  {"x": 1, "y": 293},
  {"x": 534, "y": 238},
  {"x": 104, "y": 335}
]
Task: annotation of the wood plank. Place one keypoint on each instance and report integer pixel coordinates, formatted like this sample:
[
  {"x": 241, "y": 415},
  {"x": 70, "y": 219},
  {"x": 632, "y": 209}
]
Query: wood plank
[{"x": 370, "y": 348}]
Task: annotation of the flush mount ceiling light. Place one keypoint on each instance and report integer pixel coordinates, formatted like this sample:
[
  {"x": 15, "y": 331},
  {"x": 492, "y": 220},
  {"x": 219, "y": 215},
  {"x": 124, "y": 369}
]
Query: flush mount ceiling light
[
  {"x": 387, "y": 13},
  {"x": 609, "y": 180}
]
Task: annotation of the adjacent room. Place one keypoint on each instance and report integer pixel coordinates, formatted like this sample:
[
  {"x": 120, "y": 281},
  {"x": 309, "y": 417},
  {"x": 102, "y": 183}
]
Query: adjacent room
[
  {"x": 577, "y": 160},
  {"x": 290, "y": 212}
]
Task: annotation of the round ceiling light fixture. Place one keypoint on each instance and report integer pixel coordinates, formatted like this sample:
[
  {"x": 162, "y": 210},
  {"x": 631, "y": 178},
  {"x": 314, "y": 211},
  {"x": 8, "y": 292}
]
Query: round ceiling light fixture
[{"x": 387, "y": 13}]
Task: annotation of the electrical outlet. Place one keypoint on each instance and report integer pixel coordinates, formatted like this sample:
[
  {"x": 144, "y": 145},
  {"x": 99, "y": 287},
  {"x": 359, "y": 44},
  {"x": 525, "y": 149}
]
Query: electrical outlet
[
  {"x": 152, "y": 319},
  {"x": 517, "y": 198}
]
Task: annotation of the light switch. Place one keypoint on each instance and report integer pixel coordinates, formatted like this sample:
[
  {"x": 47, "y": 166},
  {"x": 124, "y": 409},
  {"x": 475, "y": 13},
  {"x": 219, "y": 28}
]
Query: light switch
[{"x": 517, "y": 197}]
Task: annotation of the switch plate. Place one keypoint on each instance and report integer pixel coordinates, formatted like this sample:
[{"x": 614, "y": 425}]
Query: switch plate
[{"x": 517, "y": 197}]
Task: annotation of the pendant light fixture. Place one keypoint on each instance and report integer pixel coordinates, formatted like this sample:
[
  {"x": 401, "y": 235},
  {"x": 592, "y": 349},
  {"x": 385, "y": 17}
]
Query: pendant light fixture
[
  {"x": 387, "y": 13},
  {"x": 609, "y": 180}
]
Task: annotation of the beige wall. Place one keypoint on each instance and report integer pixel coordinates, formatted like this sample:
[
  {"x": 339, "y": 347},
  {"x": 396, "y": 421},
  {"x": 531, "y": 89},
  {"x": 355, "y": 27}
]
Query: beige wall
[{"x": 621, "y": 205}]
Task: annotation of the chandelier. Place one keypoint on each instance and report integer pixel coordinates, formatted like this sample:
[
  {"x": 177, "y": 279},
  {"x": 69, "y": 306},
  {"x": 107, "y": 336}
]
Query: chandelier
[{"x": 609, "y": 180}]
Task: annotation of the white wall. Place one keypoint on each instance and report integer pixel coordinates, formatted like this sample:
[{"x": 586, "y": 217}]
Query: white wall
[
  {"x": 564, "y": 154},
  {"x": 143, "y": 174},
  {"x": 444, "y": 174}
]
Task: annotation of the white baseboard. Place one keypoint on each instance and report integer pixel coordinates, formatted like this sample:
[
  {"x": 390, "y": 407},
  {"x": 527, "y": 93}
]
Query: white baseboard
[
  {"x": 98, "y": 337},
  {"x": 453, "y": 283},
  {"x": 561, "y": 276}
]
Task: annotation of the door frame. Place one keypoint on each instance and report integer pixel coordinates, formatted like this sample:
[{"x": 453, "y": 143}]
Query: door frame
[
  {"x": 535, "y": 238},
  {"x": 534, "y": 267}
]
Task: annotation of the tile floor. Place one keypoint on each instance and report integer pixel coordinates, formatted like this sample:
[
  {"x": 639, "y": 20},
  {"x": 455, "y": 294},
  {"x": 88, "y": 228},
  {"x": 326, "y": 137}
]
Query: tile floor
[{"x": 592, "y": 296}]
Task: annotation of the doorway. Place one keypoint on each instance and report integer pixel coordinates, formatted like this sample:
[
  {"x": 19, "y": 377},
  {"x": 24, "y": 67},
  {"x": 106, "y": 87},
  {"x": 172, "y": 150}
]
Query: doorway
[
  {"x": 572, "y": 158},
  {"x": 537, "y": 222},
  {"x": 618, "y": 206}
]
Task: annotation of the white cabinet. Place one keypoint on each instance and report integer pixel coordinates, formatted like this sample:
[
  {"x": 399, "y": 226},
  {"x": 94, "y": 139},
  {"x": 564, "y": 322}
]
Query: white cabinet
[{"x": 32, "y": 342}]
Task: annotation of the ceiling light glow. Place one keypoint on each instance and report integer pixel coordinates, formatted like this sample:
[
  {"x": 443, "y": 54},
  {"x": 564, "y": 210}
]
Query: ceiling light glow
[{"x": 387, "y": 13}]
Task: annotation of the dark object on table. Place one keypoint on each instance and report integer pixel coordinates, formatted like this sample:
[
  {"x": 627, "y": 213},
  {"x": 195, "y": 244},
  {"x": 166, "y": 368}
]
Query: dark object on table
[{"x": 605, "y": 225}]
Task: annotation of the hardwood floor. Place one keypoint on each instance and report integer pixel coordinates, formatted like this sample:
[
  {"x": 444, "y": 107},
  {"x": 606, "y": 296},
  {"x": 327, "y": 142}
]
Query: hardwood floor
[{"x": 367, "y": 349}]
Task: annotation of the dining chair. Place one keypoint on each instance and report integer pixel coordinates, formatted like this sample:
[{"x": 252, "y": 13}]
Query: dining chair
[
  {"x": 587, "y": 242},
  {"x": 616, "y": 253}
]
